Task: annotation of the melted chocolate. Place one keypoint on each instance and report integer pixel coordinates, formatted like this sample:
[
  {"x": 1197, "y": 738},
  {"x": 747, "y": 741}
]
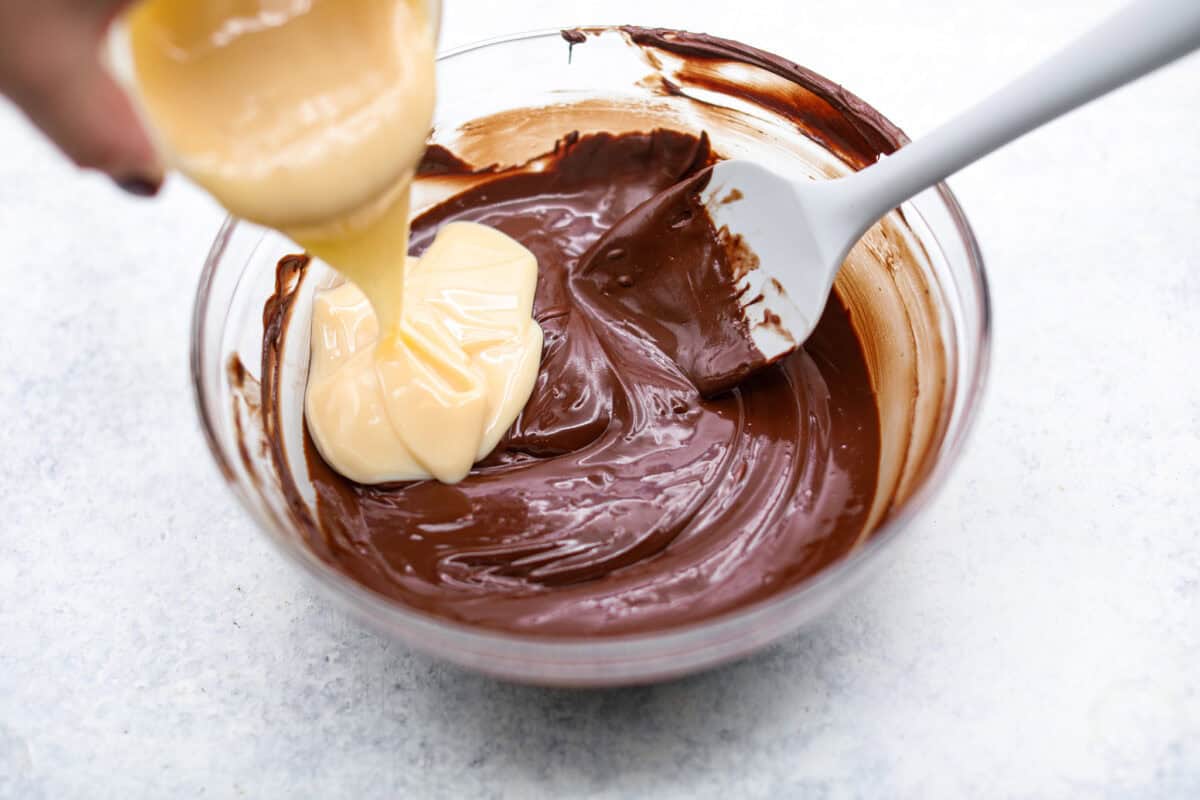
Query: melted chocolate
[
  {"x": 666, "y": 271},
  {"x": 622, "y": 500}
]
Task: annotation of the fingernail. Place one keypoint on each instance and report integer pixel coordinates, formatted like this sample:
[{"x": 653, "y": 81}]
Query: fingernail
[{"x": 139, "y": 187}]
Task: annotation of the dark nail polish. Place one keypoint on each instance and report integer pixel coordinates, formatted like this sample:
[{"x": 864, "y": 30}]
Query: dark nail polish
[{"x": 139, "y": 187}]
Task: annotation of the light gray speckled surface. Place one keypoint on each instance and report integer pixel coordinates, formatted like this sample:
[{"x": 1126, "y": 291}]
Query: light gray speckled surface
[{"x": 1038, "y": 636}]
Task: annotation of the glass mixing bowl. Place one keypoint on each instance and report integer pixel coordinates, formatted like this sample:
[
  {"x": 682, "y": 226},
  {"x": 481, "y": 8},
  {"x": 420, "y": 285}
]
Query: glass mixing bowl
[{"x": 917, "y": 282}]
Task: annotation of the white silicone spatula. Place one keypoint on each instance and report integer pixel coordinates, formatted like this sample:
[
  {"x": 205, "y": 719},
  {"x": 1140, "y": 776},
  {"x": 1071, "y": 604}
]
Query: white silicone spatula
[{"x": 802, "y": 230}]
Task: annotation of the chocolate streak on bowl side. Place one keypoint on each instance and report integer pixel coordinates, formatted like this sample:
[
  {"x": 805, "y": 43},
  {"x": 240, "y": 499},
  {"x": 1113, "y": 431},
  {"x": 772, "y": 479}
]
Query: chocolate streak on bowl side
[
  {"x": 622, "y": 500},
  {"x": 824, "y": 111}
]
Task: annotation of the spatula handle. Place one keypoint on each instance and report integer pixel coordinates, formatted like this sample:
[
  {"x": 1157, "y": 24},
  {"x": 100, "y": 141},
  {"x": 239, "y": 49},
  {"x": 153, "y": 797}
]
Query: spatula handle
[{"x": 1139, "y": 39}]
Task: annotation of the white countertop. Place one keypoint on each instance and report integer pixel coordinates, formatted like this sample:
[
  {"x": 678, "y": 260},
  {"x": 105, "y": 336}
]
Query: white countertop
[{"x": 1037, "y": 636}]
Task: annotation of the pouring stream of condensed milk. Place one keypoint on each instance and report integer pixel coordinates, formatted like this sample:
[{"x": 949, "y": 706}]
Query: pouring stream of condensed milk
[{"x": 310, "y": 116}]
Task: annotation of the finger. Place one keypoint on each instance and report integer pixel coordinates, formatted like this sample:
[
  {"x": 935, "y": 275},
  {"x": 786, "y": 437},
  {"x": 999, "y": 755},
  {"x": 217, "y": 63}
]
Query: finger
[
  {"x": 92, "y": 119},
  {"x": 71, "y": 97}
]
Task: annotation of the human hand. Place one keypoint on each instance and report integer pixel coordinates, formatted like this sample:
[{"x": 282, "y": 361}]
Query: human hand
[{"x": 50, "y": 67}]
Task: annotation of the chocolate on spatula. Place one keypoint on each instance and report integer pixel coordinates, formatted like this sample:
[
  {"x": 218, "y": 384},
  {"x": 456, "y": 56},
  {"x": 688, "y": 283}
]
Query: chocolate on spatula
[{"x": 695, "y": 291}]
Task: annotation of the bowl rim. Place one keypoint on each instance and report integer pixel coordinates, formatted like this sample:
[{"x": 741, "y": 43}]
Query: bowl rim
[{"x": 560, "y": 660}]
